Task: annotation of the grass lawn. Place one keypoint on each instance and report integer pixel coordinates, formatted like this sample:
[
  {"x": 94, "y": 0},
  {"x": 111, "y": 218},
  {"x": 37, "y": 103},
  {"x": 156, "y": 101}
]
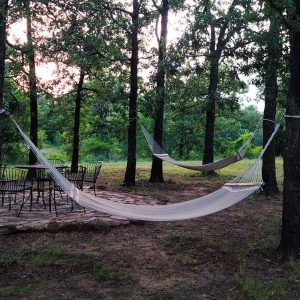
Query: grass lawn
[{"x": 228, "y": 255}]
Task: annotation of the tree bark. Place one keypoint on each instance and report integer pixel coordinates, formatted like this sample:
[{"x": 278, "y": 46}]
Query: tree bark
[
  {"x": 32, "y": 84},
  {"x": 75, "y": 151},
  {"x": 157, "y": 164},
  {"x": 3, "y": 20},
  {"x": 130, "y": 173},
  {"x": 290, "y": 234},
  {"x": 208, "y": 153},
  {"x": 271, "y": 92}
]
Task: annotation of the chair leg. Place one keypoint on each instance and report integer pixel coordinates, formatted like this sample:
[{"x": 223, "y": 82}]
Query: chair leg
[
  {"x": 62, "y": 197},
  {"x": 9, "y": 201},
  {"x": 31, "y": 197},
  {"x": 38, "y": 185},
  {"x": 23, "y": 195},
  {"x": 42, "y": 190},
  {"x": 43, "y": 195},
  {"x": 44, "y": 203},
  {"x": 21, "y": 207},
  {"x": 50, "y": 198},
  {"x": 54, "y": 202}
]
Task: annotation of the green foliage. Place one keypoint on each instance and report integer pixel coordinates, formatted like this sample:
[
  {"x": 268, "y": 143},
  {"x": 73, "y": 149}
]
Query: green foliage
[
  {"x": 253, "y": 152},
  {"x": 101, "y": 273},
  {"x": 294, "y": 271},
  {"x": 56, "y": 153},
  {"x": 181, "y": 241},
  {"x": 42, "y": 138},
  {"x": 95, "y": 38},
  {"x": 55, "y": 255},
  {"x": 254, "y": 288},
  {"x": 93, "y": 149},
  {"x": 103, "y": 134},
  {"x": 47, "y": 257},
  {"x": 242, "y": 139}
]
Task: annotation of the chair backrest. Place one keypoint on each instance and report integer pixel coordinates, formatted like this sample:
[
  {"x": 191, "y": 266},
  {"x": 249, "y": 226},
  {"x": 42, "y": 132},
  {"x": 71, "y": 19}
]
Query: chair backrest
[
  {"x": 42, "y": 174},
  {"x": 14, "y": 177},
  {"x": 78, "y": 177},
  {"x": 56, "y": 161},
  {"x": 93, "y": 170},
  {"x": 2, "y": 170}
]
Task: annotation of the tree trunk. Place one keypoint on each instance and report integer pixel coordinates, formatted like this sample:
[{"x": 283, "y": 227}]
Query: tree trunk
[
  {"x": 75, "y": 152},
  {"x": 32, "y": 84},
  {"x": 208, "y": 153},
  {"x": 129, "y": 179},
  {"x": 290, "y": 234},
  {"x": 3, "y": 20},
  {"x": 271, "y": 92},
  {"x": 157, "y": 164}
]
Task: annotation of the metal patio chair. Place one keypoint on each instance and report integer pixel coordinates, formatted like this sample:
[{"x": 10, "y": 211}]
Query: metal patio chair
[
  {"x": 92, "y": 173},
  {"x": 76, "y": 178},
  {"x": 44, "y": 180},
  {"x": 13, "y": 182}
]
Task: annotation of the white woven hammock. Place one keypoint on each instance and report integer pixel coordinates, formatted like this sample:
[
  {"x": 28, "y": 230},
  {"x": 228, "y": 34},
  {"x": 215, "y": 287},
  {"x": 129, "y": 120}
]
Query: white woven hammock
[
  {"x": 229, "y": 194},
  {"x": 159, "y": 152}
]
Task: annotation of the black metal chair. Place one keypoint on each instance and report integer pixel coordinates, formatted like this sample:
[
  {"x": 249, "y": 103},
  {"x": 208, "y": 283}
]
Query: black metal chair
[
  {"x": 76, "y": 178},
  {"x": 44, "y": 180},
  {"x": 13, "y": 182},
  {"x": 92, "y": 173}
]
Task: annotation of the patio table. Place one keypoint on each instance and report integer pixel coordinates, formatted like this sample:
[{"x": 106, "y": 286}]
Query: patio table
[
  {"x": 40, "y": 184},
  {"x": 39, "y": 167}
]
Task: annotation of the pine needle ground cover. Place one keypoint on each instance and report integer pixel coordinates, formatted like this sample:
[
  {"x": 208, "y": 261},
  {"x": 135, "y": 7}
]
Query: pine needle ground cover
[{"x": 228, "y": 255}]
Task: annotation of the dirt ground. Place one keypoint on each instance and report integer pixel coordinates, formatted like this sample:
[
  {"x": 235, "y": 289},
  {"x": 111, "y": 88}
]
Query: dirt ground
[{"x": 228, "y": 255}]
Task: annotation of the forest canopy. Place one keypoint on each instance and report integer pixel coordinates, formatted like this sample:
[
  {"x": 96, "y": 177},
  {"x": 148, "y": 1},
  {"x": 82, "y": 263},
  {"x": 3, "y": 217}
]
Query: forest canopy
[{"x": 88, "y": 43}]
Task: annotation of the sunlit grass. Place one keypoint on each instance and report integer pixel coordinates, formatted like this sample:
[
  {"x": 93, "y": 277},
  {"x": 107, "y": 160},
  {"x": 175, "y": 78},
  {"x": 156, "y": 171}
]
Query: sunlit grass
[{"x": 114, "y": 172}]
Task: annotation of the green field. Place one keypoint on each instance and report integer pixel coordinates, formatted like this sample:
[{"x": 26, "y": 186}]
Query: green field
[{"x": 114, "y": 172}]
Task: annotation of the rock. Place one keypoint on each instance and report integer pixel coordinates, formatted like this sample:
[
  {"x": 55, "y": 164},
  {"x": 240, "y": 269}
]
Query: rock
[
  {"x": 71, "y": 226},
  {"x": 53, "y": 227},
  {"x": 9, "y": 229},
  {"x": 99, "y": 225}
]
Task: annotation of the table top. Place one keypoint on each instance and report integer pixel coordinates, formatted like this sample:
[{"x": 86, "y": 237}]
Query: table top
[{"x": 39, "y": 167}]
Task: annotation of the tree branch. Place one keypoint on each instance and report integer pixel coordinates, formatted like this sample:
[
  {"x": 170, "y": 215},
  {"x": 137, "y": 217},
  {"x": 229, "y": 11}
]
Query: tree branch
[
  {"x": 120, "y": 9},
  {"x": 91, "y": 90},
  {"x": 16, "y": 47},
  {"x": 221, "y": 41},
  {"x": 156, "y": 6}
]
